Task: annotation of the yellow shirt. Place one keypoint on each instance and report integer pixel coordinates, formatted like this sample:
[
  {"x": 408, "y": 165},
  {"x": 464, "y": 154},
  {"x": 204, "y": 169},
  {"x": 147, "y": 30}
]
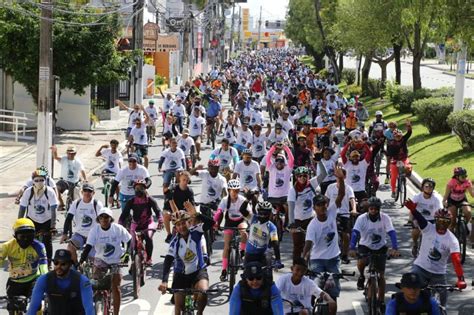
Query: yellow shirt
[{"x": 24, "y": 264}]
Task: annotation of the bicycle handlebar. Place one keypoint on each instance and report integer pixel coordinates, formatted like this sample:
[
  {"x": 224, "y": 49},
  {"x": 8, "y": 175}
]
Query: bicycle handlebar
[
  {"x": 190, "y": 291},
  {"x": 341, "y": 275}
]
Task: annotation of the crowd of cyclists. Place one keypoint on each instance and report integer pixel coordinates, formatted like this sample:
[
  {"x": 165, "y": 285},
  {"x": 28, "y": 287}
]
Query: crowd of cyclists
[{"x": 289, "y": 158}]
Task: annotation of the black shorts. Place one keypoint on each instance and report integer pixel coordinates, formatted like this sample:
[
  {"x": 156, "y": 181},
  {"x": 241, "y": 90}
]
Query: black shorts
[
  {"x": 379, "y": 261},
  {"x": 183, "y": 281},
  {"x": 278, "y": 201},
  {"x": 231, "y": 223},
  {"x": 343, "y": 223},
  {"x": 455, "y": 203},
  {"x": 210, "y": 120},
  {"x": 20, "y": 289},
  {"x": 141, "y": 150}
]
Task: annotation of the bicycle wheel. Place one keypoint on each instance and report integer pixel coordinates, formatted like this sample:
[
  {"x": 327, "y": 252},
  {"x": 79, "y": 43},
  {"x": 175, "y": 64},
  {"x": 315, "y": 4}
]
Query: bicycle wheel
[
  {"x": 136, "y": 275},
  {"x": 378, "y": 162},
  {"x": 207, "y": 237},
  {"x": 213, "y": 137},
  {"x": 321, "y": 309},
  {"x": 403, "y": 191},
  {"x": 398, "y": 191},
  {"x": 461, "y": 234},
  {"x": 373, "y": 310},
  {"x": 100, "y": 306},
  {"x": 233, "y": 267},
  {"x": 107, "y": 187}
]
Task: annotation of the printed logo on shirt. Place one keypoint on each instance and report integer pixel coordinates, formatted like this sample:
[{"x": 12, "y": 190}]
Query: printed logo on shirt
[
  {"x": 225, "y": 161},
  {"x": 195, "y": 126},
  {"x": 111, "y": 164},
  {"x": 259, "y": 147},
  {"x": 183, "y": 147},
  {"x": 376, "y": 238},
  {"x": 39, "y": 209},
  {"x": 307, "y": 204},
  {"x": 227, "y": 135},
  {"x": 244, "y": 141},
  {"x": 173, "y": 164},
  {"x": 86, "y": 221},
  {"x": 279, "y": 182},
  {"x": 70, "y": 173},
  {"x": 355, "y": 178},
  {"x": 330, "y": 172},
  {"x": 189, "y": 255},
  {"x": 425, "y": 212},
  {"x": 211, "y": 192},
  {"x": 248, "y": 179},
  {"x": 434, "y": 254},
  {"x": 109, "y": 250},
  {"x": 130, "y": 184},
  {"x": 329, "y": 237}
]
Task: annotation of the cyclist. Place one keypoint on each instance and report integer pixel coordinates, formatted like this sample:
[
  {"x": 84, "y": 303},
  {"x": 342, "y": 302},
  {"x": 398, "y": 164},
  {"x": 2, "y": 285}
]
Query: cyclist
[
  {"x": 50, "y": 182},
  {"x": 72, "y": 170},
  {"x": 67, "y": 290},
  {"x": 186, "y": 143},
  {"x": 278, "y": 135},
  {"x": 125, "y": 177},
  {"x": 214, "y": 185},
  {"x": 196, "y": 124},
  {"x": 231, "y": 127},
  {"x": 455, "y": 195},
  {"x": 303, "y": 154},
  {"x": 82, "y": 212},
  {"x": 142, "y": 206},
  {"x": 329, "y": 158},
  {"x": 153, "y": 118},
  {"x": 361, "y": 113},
  {"x": 39, "y": 204},
  {"x": 138, "y": 139},
  {"x": 438, "y": 244},
  {"x": 248, "y": 172},
  {"x": 106, "y": 239},
  {"x": 134, "y": 113},
  {"x": 254, "y": 294},
  {"x": 244, "y": 135},
  {"x": 297, "y": 288},
  {"x": 227, "y": 155},
  {"x": 188, "y": 252},
  {"x": 113, "y": 157},
  {"x": 258, "y": 143},
  {"x": 397, "y": 151},
  {"x": 175, "y": 199},
  {"x": 171, "y": 161},
  {"x": 232, "y": 206},
  {"x": 412, "y": 299},
  {"x": 212, "y": 115},
  {"x": 369, "y": 230},
  {"x": 428, "y": 202},
  {"x": 300, "y": 204},
  {"x": 26, "y": 256},
  {"x": 179, "y": 111}
]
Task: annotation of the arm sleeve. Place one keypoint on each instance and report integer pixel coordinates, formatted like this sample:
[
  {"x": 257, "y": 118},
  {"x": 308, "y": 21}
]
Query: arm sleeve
[
  {"x": 456, "y": 259},
  {"x": 277, "y": 302},
  {"x": 291, "y": 158},
  {"x": 276, "y": 249},
  {"x": 235, "y": 301},
  {"x": 393, "y": 239},
  {"x": 343, "y": 153},
  {"x": 21, "y": 212},
  {"x": 37, "y": 295},
  {"x": 160, "y": 162},
  {"x": 268, "y": 158},
  {"x": 53, "y": 216},
  {"x": 354, "y": 238},
  {"x": 368, "y": 153},
  {"x": 391, "y": 308},
  {"x": 244, "y": 208},
  {"x": 86, "y": 251},
  {"x": 68, "y": 224},
  {"x": 167, "y": 267},
  {"x": 87, "y": 296},
  {"x": 419, "y": 218},
  {"x": 291, "y": 211},
  {"x": 126, "y": 212}
]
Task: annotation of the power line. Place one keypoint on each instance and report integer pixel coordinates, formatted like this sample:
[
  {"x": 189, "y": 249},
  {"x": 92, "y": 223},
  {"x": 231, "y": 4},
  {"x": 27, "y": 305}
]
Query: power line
[{"x": 56, "y": 9}]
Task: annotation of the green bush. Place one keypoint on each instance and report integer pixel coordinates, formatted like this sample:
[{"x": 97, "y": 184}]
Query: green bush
[
  {"x": 353, "y": 90},
  {"x": 375, "y": 88},
  {"x": 348, "y": 75},
  {"x": 442, "y": 92},
  {"x": 402, "y": 97},
  {"x": 462, "y": 123},
  {"x": 433, "y": 113},
  {"x": 159, "y": 80},
  {"x": 430, "y": 53},
  {"x": 324, "y": 73}
]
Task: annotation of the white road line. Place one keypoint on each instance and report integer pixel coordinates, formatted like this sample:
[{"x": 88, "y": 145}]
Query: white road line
[
  {"x": 164, "y": 305},
  {"x": 357, "y": 308}
]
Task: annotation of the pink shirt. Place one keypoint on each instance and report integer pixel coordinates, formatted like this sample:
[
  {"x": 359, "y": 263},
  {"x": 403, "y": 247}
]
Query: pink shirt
[{"x": 458, "y": 190}]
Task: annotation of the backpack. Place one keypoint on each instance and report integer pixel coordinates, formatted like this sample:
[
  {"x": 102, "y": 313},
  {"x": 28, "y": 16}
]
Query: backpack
[
  {"x": 95, "y": 204},
  {"x": 32, "y": 193}
]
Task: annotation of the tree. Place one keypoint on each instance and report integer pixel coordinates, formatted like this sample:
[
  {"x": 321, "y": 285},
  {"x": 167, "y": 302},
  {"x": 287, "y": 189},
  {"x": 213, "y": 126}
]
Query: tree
[{"x": 82, "y": 55}]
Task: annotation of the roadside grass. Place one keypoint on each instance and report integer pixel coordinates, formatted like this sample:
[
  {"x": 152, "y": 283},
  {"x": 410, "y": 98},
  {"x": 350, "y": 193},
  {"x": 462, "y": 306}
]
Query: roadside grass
[{"x": 308, "y": 61}]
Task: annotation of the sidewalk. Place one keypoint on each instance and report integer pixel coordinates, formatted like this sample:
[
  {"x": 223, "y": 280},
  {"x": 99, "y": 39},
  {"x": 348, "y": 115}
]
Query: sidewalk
[
  {"x": 433, "y": 64},
  {"x": 18, "y": 160}
]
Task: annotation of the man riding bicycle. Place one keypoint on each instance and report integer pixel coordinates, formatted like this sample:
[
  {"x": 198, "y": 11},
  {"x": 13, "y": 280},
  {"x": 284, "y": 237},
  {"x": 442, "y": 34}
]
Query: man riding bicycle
[{"x": 212, "y": 116}]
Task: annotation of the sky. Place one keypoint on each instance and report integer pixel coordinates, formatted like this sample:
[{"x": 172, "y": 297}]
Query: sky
[{"x": 271, "y": 9}]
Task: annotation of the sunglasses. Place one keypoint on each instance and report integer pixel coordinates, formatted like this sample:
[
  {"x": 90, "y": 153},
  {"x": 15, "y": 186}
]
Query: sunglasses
[
  {"x": 252, "y": 278},
  {"x": 60, "y": 263},
  {"x": 39, "y": 180},
  {"x": 103, "y": 217},
  {"x": 443, "y": 220}
]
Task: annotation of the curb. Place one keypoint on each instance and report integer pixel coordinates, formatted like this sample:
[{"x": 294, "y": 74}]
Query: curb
[
  {"x": 437, "y": 68},
  {"x": 416, "y": 179}
]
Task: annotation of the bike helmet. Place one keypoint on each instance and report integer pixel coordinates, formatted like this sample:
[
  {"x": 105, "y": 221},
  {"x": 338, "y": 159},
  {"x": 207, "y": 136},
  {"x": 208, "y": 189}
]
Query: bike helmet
[
  {"x": 214, "y": 163},
  {"x": 39, "y": 173},
  {"x": 301, "y": 136},
  {"x": 247, "y": 151},
  {"x": 443, "y": 214},
  {"x": 278, "y": 126},
  {"x": 264, "y": 207},
  {"x": 378, "y": 113},
  {"x": 428, "y": 180},
  {"x": 459, "y": 171},
  {"x": 302, "y": 170},
  {"x": 23, "y": 225},
  {"x": 319, "y": 199},
  {"x": 139, "y": 182},
  {"x": 179, "y": 216},
  {"x": 44, "y": 169},
  {"x": 374, "y": 202},
  {"x": 233, "y": 184}
]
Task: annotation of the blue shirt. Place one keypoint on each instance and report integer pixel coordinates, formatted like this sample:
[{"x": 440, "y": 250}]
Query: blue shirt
[
  {"x": 214, "y": 108},
  {"x": 236, "y": 301},
  {"x": 260, "y": 236},
  {"x": 40, "y": 289},
  {"x": 392, "y": 306}
]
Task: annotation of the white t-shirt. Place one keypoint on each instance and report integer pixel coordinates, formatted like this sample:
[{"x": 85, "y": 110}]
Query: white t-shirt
[
  {"x": 196, "y": 125},
  {"x": 356, "y": 174},
  {"x": 70, "y": 169},
  {"x": 185, "y": 144},
  {"x": 167, "y": 105},
  {"x": 373, "y": 234},
  {"x": 38, "y": 208},
  {"x": 84, "y": 215},
  {"x": 225, "y": 157},
  {"x": 435, "y": 249},
  {"x": 330, "y": 166},
  {"x": 428, "y": 207},
  {"x": 303, "y": 200},
  {"x": 298, "y": 294},
  {"x": 179, "y": 110},
  {"x": 133, "y": 115},
  {"x": 152, "y": 113},
  {"x": 126, "y": 177},
  {"x": 107, "y": 244},
  {"x": 230, "y": 132},
  {"x": 212, "y": 187},
  {"x": 173, "y": 160},
  {"x": 244, "y": 137},
  {"x": 247, "y": 174},
  {"x": 113, "y": 161},
  {"x": 259, "y": 145},
  {"x": 332, "y": 192},
  {"x": 286, "y": 124},
  {"x": 234, "y": 209},
  {"x": 139, "y": 135},
  {"x": 274, "y": 137},
  {"x": 279, "y": 181},
  {"x": 324, "y": 237},
  {"x": 256, "y": 118}
]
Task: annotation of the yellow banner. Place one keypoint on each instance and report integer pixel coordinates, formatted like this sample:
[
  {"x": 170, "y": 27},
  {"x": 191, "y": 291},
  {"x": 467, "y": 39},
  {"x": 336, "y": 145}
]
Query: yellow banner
[{"x": 245, "y": 22}]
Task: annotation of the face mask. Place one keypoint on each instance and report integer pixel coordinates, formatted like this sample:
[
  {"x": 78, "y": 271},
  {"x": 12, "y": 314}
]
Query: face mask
[
  {"x": 39, "y": 185},
  {"x": 263, "y": 219}
]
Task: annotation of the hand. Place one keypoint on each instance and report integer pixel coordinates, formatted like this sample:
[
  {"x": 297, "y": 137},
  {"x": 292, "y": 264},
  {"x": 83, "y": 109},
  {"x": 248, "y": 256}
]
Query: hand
[
  {"x": 338, "y": 172},
  {"x": 159, "y": 225},
  {"x": 111, "y": 200},
  {"x": 352, "y": 253},
  {"x": 189, "y": 207},
  {"x": 163, "y": 286},
  {"x": 393, "y": 253},
  {"x": 410, "y": 205},
  {"x": 445, "y": 203},
  {"x": 279, "y": 265},
  {"x": 17, "y": 200},
  {"x": 461, "y": 284},
  {"x": 63, "y": 239}
]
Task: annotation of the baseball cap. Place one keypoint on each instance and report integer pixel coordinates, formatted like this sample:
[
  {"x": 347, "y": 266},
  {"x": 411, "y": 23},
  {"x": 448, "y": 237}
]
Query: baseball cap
[
  {"x": 62, "y": 255},
  {"x": 411, "y": 280},
  {"x": 133, "y": 156},
  {"x": 151, "y": 102},
  {"x": 253, "y": 269},
  {"x": 185, "y": 131},
  {"x": 106, "y": 211},
  {"x": 71, "y": 149},
  {"x": 87, "y": 186}
]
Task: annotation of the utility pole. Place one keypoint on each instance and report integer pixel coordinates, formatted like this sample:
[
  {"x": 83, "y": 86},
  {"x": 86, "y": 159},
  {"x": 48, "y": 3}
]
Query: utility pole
[
  {"x": 137, "y": 43},
  {"x": 460, "y": 77},
  {"x": 259, "y": 28},
  {"x": 44, "y": 138},
  {"x": 232, "y": 23},
  {"x": 185, "y": 47},
  {"x": 222, "y": 59},
  {"x": 240, "y": 28}
]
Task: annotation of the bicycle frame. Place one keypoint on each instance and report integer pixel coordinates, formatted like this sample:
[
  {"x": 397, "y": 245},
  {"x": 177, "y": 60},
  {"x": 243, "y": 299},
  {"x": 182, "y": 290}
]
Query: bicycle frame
[
  {"x": 16, "y": 305},
  {"x": 461, "y": 232}
]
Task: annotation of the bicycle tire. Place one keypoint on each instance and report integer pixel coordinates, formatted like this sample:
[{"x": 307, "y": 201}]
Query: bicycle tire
[
  {"x": 373, "y": 310},
  {"x": 100, "y": 307},
  {"x": 321, "y": 309},
  {"x": 403, "y": 196},
  {"x": 213, "y": 137},
  {"x": 136, "y": 276},
  {"x": 378, "y": 162},
  {"x": 398, "y": 190},
  {"x": 107, "y": 187},
  {"x": 461, "y": 234},
  {"x": 207, "y": 237},
  {"x": 233, "y": 259}
]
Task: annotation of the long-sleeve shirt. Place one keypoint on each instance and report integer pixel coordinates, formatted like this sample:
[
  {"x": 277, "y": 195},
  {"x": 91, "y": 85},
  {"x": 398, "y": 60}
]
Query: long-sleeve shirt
[
  {"x": 236, "y": 300},
  {"x": 398, "y": 150}
]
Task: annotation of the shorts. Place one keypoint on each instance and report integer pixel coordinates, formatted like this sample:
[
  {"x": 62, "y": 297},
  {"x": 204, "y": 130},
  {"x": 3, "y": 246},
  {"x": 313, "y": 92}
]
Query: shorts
[
  {"x": 278, "y": 200},
  {"x": 101, "y": 267},
  {"x": 456, "y": 203},
  {"x": 79, "y": 241},
  {"x": 379, "y": 261},
  {"x": 196, "y": 138},
  {"x": 343, "y": 223},
  {"x": 127, "y": 133},
  {"x": 64, "y": 185},
  {"x": 20, "y": 288},
  {"x": 141, "y": 149},
  {"x": 168, "y": 175},
  {"x": 231, "y": 224},
  {"x": 210, "y": 120},
  {"x": 329, "y": 265},
  {"x": 183, "y": 281}
]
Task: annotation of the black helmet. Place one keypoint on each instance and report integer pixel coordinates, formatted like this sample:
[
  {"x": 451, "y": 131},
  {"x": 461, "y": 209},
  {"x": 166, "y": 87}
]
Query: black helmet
[
  {"x": 428, "y": 180},
  {"x": 459, "y": 171},
  {"x": 319, "y": 199},
  {"x": 264, "y": 207},
  {"x": 374, "y": 202}
]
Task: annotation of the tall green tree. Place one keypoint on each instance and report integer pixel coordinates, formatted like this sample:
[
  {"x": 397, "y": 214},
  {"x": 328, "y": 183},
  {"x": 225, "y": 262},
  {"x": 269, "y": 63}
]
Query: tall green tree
[{"x": 82, "y": 55}]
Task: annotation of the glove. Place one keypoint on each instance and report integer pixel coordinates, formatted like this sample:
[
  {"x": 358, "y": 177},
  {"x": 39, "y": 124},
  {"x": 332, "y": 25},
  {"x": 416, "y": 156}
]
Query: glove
[
  {"x": 461, "y": 284},
  {"x": 279, "y": 265},
  {"x": 410, "y": 205},
  {"x": 125, "y": 258}
]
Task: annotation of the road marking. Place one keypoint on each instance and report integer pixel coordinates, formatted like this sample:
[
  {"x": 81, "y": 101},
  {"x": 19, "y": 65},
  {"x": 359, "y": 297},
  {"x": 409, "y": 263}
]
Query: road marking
[
  {"x": 357, "y": 308},
  {"x": 164, "y": 305},
  {"x": 143, "y": 305}
]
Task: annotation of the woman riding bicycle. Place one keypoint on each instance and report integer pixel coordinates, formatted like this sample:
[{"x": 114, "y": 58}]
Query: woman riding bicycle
[{"x": 397, "y": 151}]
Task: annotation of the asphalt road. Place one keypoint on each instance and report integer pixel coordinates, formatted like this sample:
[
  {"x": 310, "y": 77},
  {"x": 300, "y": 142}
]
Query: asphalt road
[{"x": 351, "y": 301}]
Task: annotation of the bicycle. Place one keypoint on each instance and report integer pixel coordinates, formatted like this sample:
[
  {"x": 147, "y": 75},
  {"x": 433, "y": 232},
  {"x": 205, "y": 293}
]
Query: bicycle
[
  {"x": 278, "y": 218},
  {"x": 235, "y": 261},
  {"x": 139, "y": 258},
  {"x": 208, "y": 209},
  {"x": 189, "y": 300},
  {"x": 16, "y": 305},
  {"x": 461, "y": 231},
  {"x": 401, "y": 183},
  {"x": 107, "y": 179}
]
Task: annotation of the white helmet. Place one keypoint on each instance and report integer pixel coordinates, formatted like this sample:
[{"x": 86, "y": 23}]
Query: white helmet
[
  {"x": 105, "y": 210},
  {"x": 378, "y": 113},
  {"x": 233, "y": 184}
]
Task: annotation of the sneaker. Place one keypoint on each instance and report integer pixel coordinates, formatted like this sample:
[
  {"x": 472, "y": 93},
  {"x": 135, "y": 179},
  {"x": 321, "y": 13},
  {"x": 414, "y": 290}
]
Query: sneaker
[
  {"x": 223, "y": 276},
  {"x": 394, "y": 195},
  {"x": 360, "y": 283},
  {"x": 386, "y": 181},
  {"x": 168, "y": 238},
  {"x": 381, "y": 305},
  {"x": 345, "y": 259}
]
